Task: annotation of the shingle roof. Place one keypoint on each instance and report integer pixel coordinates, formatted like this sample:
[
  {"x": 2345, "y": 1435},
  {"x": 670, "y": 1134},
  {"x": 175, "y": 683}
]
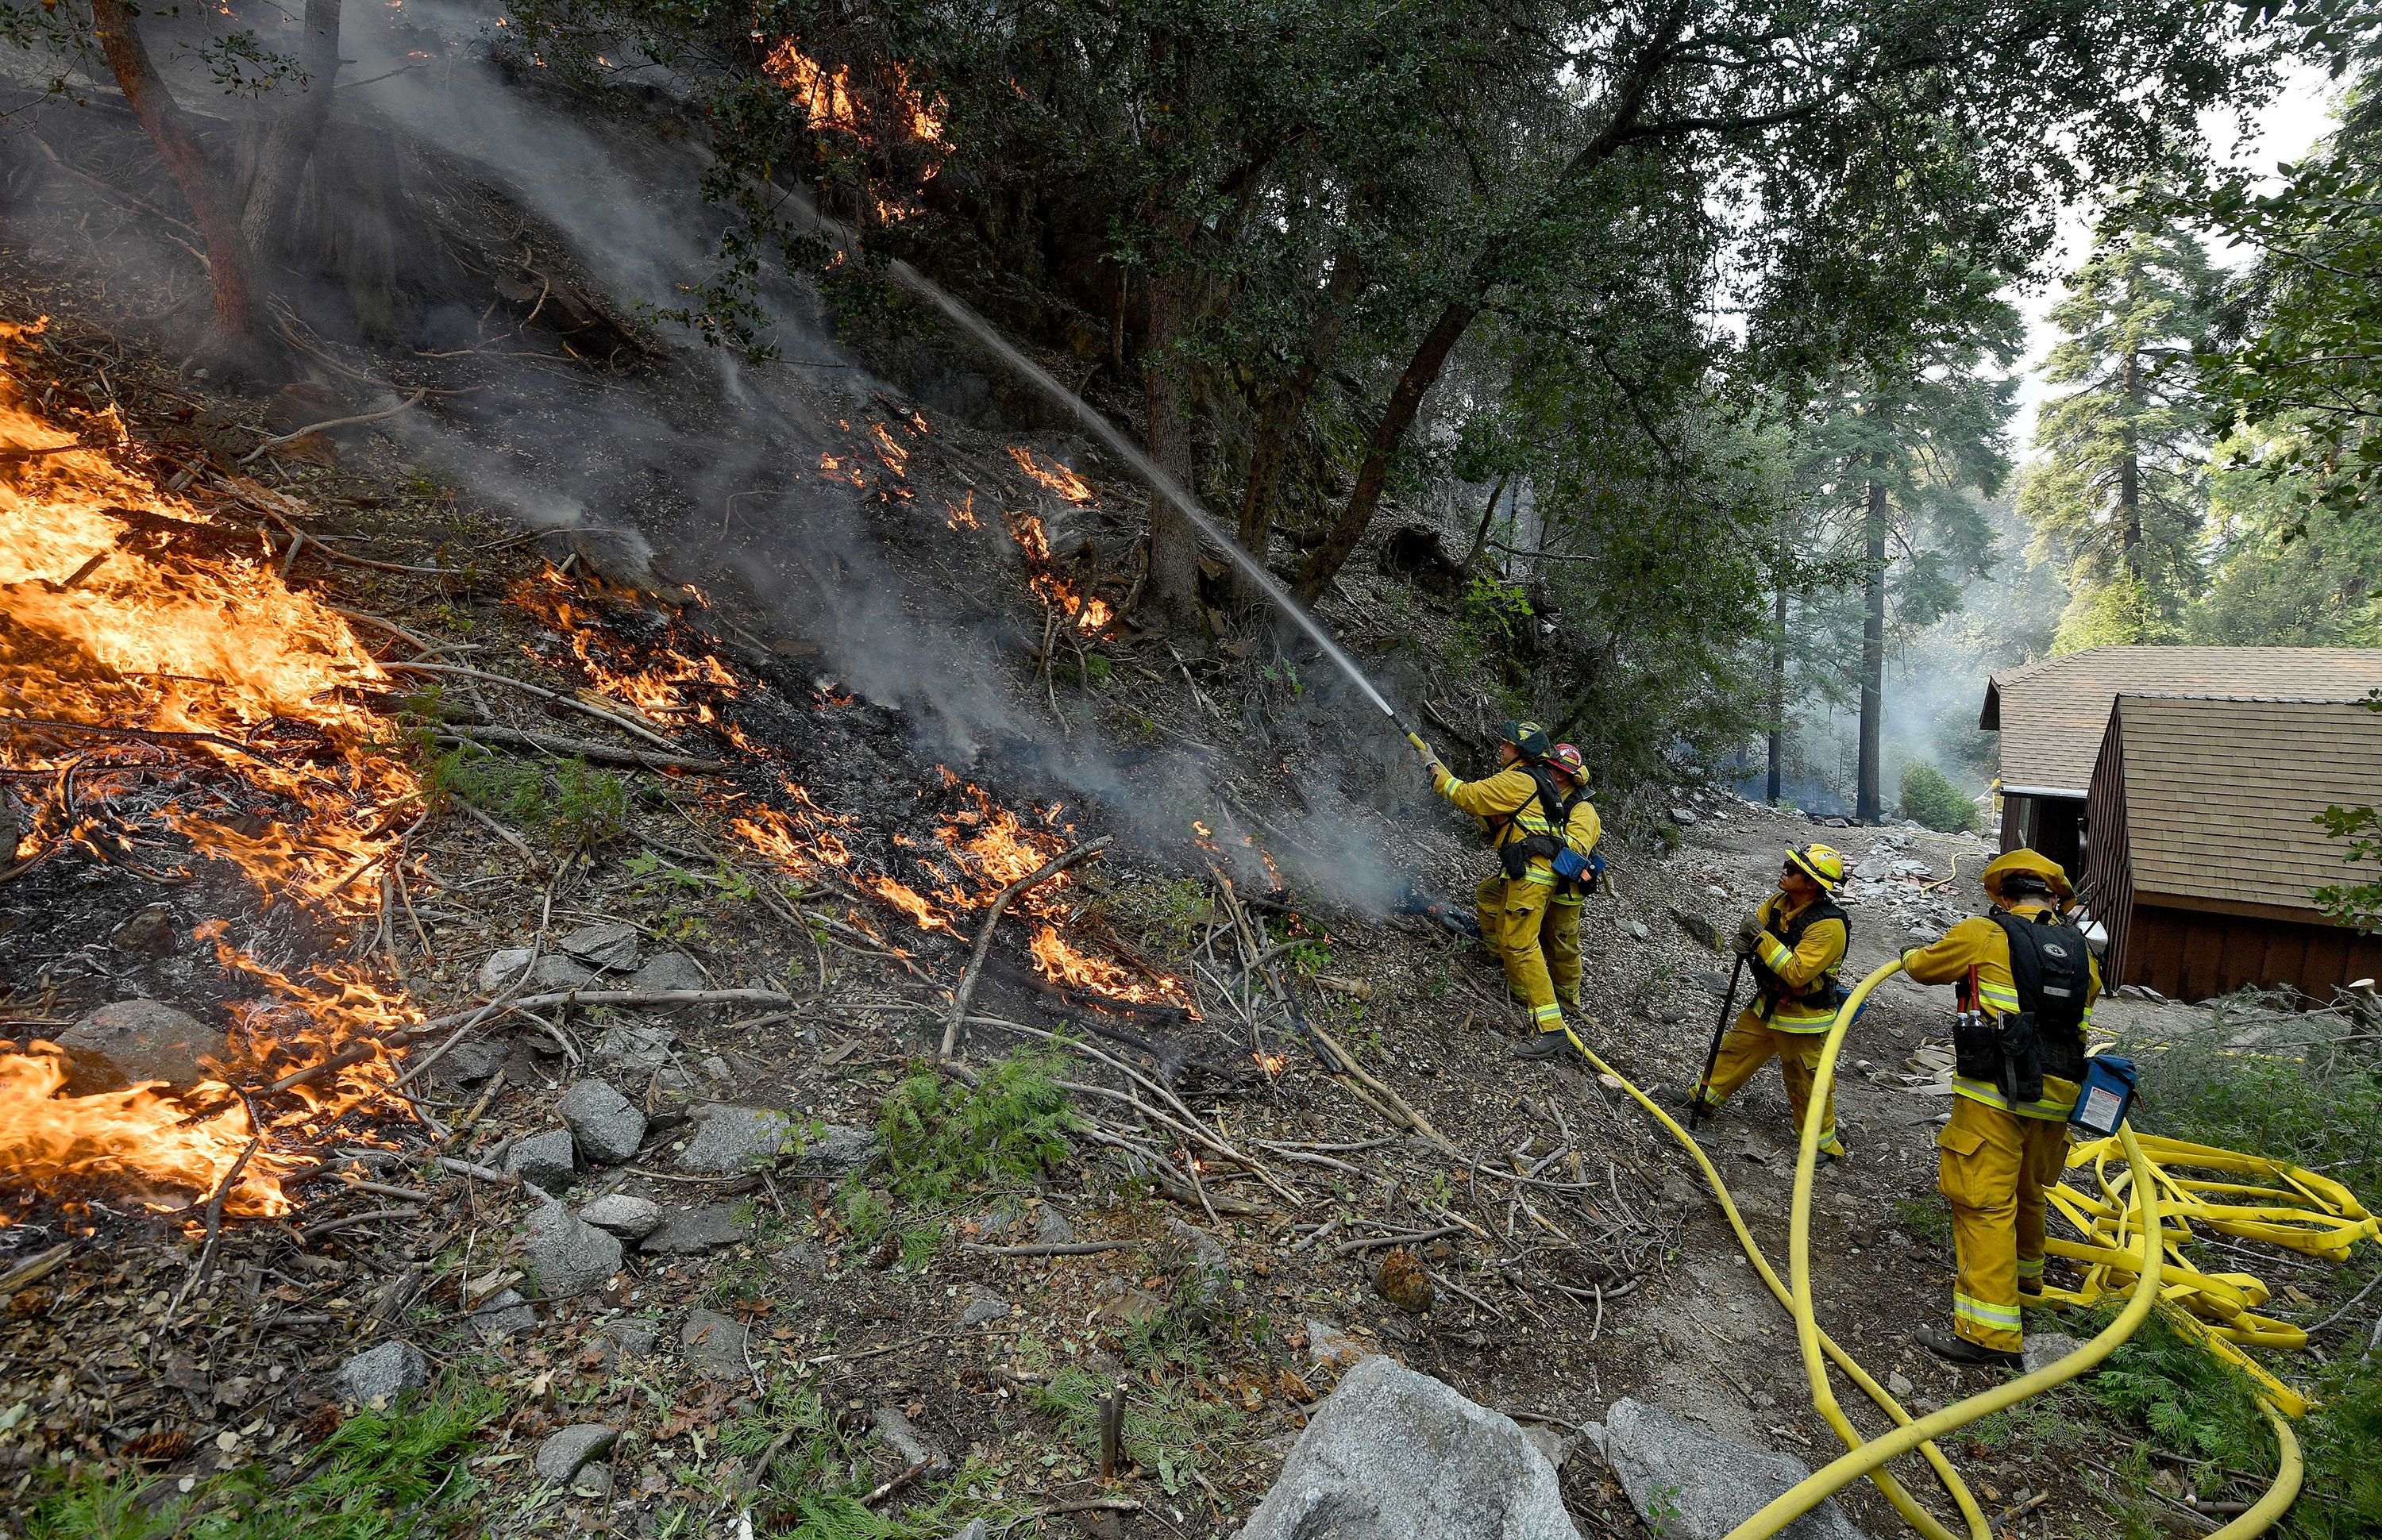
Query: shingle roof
[
  {"x": 2221, "y": 795},
  {"x": 2051, "y": 713}
]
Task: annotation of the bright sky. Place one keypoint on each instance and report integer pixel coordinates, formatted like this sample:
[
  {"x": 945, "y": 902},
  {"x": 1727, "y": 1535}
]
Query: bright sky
[{"x": 2283, "y": 130}]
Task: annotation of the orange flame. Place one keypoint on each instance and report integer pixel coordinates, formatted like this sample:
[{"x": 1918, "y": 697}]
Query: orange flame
[
  {"x": 1053, "y": 475},
  {"x": 1063, "y": 964},
  {"x": 663, "y": 682},
  {"x": 124, "y": 606}
]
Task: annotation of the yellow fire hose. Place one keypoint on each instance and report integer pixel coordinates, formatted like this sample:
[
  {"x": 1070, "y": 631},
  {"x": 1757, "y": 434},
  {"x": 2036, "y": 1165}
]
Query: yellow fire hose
[{"x": 2130, "y": 1246}]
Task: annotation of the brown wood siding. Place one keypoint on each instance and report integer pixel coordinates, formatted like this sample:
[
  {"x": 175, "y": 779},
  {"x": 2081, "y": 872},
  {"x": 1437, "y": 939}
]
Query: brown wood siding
[
  {"x": 2107, "y": 880},
  {"x": 2193, "y": 955}
]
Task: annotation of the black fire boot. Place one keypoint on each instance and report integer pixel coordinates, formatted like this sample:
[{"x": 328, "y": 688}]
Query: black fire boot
[
  {"x": 1954, "y": 1349},
  {"x": 1542, "y": 1045}
]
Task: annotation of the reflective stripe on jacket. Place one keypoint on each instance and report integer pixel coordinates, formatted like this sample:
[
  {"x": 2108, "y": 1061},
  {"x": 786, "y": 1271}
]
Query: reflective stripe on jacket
[
  {"x": 1507, "y": 806},
  {"x": 1978, "y": 947},
  {"x": 1812, "y": 959}
]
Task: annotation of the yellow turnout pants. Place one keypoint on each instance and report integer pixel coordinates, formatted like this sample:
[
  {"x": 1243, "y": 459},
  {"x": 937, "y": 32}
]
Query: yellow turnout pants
[
  {"x": 1752, "y": 1043},
  {"x": 1536, "y": 935},
  {"x": 1993, "y": 1167}
]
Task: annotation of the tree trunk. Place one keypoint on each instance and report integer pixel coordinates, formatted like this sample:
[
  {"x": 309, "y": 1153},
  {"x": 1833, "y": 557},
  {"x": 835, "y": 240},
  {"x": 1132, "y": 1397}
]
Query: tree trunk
[
  {"x": 1480, "y": 535},
  {"x": 1777, "y": 785},
  {"x": 264, "y": 223},
  {"x": 1629, "y": 93},
  {"x": 1279, "y": 417},
  {"x": 1373, "y": 478},
  {"x": 170, "y": 129},
  {"x": 1172, "y": 594},
  {"x": 1868, "y": 804},
  {"x": 2129, "y": 470}
]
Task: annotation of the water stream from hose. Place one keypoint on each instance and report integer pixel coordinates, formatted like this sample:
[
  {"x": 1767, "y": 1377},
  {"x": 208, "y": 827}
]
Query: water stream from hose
[{"x": 1164, "y": 485}]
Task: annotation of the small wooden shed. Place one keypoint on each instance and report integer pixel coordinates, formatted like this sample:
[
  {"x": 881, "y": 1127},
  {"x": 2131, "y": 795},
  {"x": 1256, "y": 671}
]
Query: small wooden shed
[
  {"x": 2202, "y": 847},
  {"x": 2051, "y": 715}
]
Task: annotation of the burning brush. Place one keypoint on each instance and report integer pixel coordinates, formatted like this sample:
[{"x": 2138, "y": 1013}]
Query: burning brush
[{"x": 168, "y": 705}]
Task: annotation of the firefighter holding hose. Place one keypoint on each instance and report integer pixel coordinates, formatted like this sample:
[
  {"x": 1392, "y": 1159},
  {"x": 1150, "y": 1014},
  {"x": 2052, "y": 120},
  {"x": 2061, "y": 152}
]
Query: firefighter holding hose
[
  {"x": 1535, "y": 814},
  {"x": 1793, "y": 944},
  {"x": 2026, "y": 983}
]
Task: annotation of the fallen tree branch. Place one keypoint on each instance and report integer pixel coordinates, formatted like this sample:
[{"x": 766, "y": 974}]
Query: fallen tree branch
[
  {"x": 576, "y": 748},
  {"x": 556, "y": 696},
  {"x": 1073, "y": 1248},
  {"x": 999, "y": 906},
  {"x": 1414, "y": 1238},
  {"x": 410, "y": 402},
  {"x": 46, "y": 724},
  {"x": 26, "y": 1274}
]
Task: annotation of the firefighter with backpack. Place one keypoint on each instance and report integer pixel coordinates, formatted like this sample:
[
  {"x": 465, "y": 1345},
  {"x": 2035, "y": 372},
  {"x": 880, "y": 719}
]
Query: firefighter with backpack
[
  {"x": 1793, "y": 944},
  {"x": 2026, "y": 983},
  {"x": 1535, "y": 814}
]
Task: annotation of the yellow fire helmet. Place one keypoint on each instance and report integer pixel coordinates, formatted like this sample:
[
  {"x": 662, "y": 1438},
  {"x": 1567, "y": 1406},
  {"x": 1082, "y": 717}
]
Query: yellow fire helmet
[
  {"x": 1819, "y": 863},
  {"x": 2032, "y": 863}
]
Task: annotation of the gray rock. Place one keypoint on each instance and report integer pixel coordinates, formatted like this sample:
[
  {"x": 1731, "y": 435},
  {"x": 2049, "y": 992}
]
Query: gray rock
[
  {"x": 544, "y": 1160},
  {"x": 1330, "y": 1346},
  {"x": 1392, "y": 1454},
  {"x": 719, "y": 1069},
  {"x": 471, "y": 1061},
  {"x": 560, "y": 973},
  {"x": 503, "y": 966},
  {"x": 1689, "y": 1483},
  {"x": 685, "y": 1231},
  {"x": 2047, "y": 1346},
  {"x": 1208, "y": 1271},
  {"x": 713, "y": 1344},
  {"x": 149, "y": 932},
  {"x": 507, "y": 1314},
  {"x": 1637, "y": 930},
  {"x": 628, "y": 1338},
  {"x": 1685, "y": 817},
  {"x": 604, "y": 945},
  {"x": 635, "y": 1050},
  {"x": 570, "y": 1257},
  {"x": 135, "y": 1040},
  {"x": 904, "y": 1439},
  {"x": 1050, "y": 1228},
  {"x": 607, "y": 1124},
  {"x": 835, "y": 1150},
  {"x": 974, "y": 1532},
  {"x": 981, "y": 1307},
  {"x": 729, "y": 1140},
  {"x": 376, "y": 1376},
  {"x": 1551, "y": 1446},
  {"x": 560, "y": 1454},
  {"x": 671, "y": 1089},
  {"x": 670, "y": 971},
  {"x": 624, "y": 1214},
  {"x": 802, "y": 1259},
  {"x": 593, "y": 1480}
]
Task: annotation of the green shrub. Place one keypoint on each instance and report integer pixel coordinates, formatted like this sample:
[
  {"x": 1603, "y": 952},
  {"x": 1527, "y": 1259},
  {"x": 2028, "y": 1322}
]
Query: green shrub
[
  {"x": 1929, "y": 797},
  {"x": 1491, "y": 616},
  {"x": 943, "y": 1138},
  {"x": 381, "y": 1476}
]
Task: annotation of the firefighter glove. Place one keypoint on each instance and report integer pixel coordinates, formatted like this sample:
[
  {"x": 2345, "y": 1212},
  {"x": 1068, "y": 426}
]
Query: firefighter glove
[{"x": 1748, "y": 934}]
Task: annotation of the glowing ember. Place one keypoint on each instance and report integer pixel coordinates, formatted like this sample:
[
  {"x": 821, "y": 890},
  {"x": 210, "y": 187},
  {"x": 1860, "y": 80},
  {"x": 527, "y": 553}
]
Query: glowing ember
[
  {"x": 1272, "y": 1064},
  {"x": 661, "y": 681},
  {"x": 963, "y": 514},
  {"x": 1053, "y": 476}
]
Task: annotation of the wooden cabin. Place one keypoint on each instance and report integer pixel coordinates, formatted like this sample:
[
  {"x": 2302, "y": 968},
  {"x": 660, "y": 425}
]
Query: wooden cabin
[
  {"x": 2202, "y": 848},
  {"x": 2178, "y": 786}
]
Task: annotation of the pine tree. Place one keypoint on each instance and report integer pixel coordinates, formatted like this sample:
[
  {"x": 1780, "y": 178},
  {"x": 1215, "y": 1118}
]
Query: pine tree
[{"x": 2119, "y": 500}]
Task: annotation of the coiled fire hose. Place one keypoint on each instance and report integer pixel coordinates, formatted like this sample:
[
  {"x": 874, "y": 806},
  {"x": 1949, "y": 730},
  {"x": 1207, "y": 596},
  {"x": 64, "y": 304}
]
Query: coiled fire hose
[{"x": 2128, "y": 1244}]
